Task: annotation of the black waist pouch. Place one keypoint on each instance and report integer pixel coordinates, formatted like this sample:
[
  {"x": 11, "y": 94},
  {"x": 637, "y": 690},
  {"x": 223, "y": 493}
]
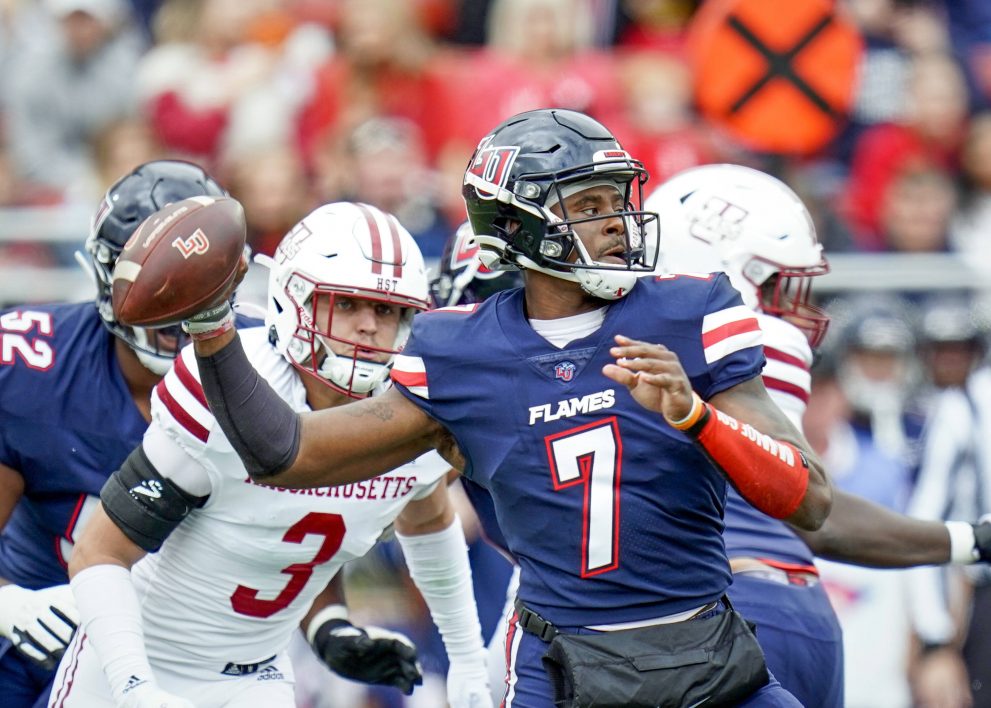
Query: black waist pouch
[{"x": 714, "y": 661}]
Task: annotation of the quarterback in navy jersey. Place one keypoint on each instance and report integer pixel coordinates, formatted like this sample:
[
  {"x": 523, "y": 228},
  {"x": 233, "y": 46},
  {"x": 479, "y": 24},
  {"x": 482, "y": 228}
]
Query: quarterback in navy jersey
[
  {"x": 606, "y": 456},
  {"x": 75, "y": 388},
  {"x": 584, "y": 428}
]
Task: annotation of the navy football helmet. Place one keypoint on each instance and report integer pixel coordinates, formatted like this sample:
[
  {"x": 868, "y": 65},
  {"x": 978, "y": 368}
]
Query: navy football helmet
[
  {"x": 535, "y": 160},
  {"x": 128, "y": 202},
  {"x": 461, "y": 277}
]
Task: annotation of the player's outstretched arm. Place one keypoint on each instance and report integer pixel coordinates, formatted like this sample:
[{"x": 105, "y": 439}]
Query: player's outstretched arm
[
  {"x": 895, "y": 540},
  {"x": 433, "y": 543},
  {"x": 741, "y": 430},
  {"x": 329, "y": 447}
]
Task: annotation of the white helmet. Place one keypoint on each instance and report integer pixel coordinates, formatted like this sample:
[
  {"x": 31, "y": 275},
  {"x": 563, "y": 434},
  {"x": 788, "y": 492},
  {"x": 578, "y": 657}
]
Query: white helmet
[
  {"x": 342, "y": 249},
  {"x": 752, "y": 226}
]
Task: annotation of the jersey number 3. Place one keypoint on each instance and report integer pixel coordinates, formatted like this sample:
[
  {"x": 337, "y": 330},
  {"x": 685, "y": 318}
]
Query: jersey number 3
[
  {"x": 245, "y": 600},
  {"x": 591, "y": 456}
]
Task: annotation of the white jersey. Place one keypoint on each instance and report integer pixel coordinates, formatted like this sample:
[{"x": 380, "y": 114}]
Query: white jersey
[
  {"x": 786, "y": 374},
  {"x": 236, "y": 577}
]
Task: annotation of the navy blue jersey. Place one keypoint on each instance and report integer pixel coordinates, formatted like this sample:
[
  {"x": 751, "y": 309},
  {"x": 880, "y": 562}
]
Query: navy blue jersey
[
  {"x": 67, "y": 421},
  {"x": 484, "y": 508},
  {"x": 613, "y": 515},
  {"x": 753, "y": 533}
]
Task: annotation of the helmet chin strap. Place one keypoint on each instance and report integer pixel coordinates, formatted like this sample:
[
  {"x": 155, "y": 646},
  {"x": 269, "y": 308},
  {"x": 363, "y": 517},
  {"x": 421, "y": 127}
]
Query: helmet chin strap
[
  {"x": 608, "y": 283},
  {"x": 155, "y": 364},
  {"x": 351, "y": 374},
  {"x": 604, "y": 284}
]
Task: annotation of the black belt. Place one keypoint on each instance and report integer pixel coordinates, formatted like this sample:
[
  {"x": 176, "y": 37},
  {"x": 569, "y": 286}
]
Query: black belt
[
  {"x": 533, "y": 623},
  {"x": 536, "y": 625}
]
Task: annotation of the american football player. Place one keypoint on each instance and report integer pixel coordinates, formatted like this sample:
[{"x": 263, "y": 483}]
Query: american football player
[
  {"x": 462, "y": 279},
  {"x": 192, "y": 576},
  {"x": 603, "y": 412},
  {"x": 755, "y": 228},
  {"x": 75, "y": 389}
]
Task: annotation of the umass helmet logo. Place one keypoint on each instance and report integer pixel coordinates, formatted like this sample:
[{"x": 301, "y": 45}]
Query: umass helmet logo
[
  {"x": 490, "y": 167},
  {"x": 565, "y": 371}
]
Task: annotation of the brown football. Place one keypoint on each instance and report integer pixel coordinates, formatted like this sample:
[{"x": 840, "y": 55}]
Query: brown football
[{"x": 178, "y": 261}]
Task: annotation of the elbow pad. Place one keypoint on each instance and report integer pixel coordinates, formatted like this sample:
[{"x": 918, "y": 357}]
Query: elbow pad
[
  {"x": 145, "y": 505},
  {"x": 262, "y": 428}
]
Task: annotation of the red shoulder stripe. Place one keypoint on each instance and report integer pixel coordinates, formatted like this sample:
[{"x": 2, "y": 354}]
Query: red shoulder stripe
[
  {"x": 179, "y": 413},
  {"x": 190, "y": 382},
  {"x": 787, "y": 387},
  {"x": 778, "y": 355},
  {"x": 714, "y": 336},
  {"x": 409, "y": 379}
]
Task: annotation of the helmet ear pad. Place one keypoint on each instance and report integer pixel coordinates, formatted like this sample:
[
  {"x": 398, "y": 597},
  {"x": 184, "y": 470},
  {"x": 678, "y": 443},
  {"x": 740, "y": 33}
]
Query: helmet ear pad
[{"x": 127, "y": 203}]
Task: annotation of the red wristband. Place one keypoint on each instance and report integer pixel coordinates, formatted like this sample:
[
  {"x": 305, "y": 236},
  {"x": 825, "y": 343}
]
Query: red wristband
[{"x": 770, "y": 474}]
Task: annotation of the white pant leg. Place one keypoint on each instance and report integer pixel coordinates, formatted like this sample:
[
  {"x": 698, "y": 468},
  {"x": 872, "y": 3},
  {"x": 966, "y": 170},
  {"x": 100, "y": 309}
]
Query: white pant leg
[
  {"x": 80, "y": 681},
  {"x": 497, "y": 644}
]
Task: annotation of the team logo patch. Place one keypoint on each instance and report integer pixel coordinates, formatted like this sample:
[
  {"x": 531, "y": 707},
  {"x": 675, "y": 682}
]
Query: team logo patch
[
  {"x": 565, "y": 371},
  {"x": 490, "y": 167},
  {"x": 717, "y": 219},
  {"x": 290, "y": 245}
]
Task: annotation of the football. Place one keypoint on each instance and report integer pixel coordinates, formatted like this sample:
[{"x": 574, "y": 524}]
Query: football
[{"x": 178, "y": 261}]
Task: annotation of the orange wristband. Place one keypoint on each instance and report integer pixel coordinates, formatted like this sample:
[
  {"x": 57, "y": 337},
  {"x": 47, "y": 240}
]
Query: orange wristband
[{"x": 698, "y": 408}]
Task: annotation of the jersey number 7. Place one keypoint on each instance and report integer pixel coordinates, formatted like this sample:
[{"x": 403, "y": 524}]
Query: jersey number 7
[{"x": 591, "y": 456}]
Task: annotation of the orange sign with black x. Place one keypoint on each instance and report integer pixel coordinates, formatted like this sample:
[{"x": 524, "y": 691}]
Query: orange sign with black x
[{"x": 780, "y": 75}]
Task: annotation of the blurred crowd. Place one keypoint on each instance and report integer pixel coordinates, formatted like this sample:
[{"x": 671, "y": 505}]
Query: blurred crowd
[
  {"x": 294, "y": 103},
  {"x": 300, "y": 102}
]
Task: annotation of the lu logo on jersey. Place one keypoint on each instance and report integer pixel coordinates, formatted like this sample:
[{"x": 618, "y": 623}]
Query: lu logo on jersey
[{"x": 565, "y": 371}]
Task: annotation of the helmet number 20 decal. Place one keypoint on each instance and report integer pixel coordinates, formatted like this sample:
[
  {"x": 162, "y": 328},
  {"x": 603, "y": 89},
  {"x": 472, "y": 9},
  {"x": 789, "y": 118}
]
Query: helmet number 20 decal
[{"x": 491, "y": 166}]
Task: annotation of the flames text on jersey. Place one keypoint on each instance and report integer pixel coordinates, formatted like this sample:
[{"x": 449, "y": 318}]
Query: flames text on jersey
[{"x": 573, "y": 406}]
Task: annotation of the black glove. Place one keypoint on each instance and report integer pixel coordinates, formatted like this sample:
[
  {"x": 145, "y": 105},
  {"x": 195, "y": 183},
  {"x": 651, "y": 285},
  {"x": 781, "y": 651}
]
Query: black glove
[
  {"x": 982, "y": 539},
  {"x": 370, "y": 655}
]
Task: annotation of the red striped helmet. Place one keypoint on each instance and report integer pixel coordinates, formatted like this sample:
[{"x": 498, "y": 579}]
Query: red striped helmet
[
  {"x": 342, "y": 250},
  {"x": 750, "y": 225}
]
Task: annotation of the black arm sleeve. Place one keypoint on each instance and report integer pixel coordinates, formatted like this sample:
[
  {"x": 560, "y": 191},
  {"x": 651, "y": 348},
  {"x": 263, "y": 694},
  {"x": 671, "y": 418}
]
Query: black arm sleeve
[
  {"x": 261, "y": 427},
  {"x": 145, "y": 505}
]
